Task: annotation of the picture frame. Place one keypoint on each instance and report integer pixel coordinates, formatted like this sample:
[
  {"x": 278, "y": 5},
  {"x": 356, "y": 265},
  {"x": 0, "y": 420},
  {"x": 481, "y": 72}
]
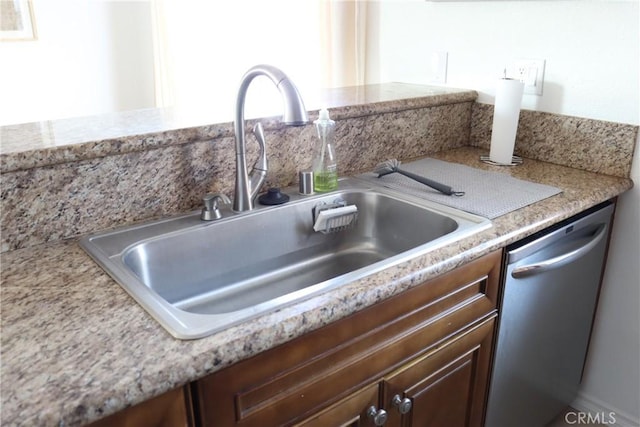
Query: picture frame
[{"x": 17, "y": 20}]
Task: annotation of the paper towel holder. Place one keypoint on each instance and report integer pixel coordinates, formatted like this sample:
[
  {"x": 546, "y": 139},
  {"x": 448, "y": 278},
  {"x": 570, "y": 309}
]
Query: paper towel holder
[
  {"x": 506, "y": 114},
  {"x": 515, "y": 161}
]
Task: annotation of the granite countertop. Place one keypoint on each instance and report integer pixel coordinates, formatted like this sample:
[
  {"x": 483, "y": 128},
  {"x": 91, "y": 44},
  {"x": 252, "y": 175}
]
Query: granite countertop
[
  {"x": 76, "y": 347},
  {"x": 47, "y": 143}
]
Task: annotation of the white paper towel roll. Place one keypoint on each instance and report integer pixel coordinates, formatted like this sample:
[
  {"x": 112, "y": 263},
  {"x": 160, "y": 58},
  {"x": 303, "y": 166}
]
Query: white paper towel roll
[{"x": 506, "y": 113}]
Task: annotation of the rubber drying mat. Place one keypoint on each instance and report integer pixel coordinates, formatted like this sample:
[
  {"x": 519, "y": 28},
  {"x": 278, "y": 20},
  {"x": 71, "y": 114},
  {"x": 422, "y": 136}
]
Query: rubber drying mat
[{"x": 488, "y": 194}]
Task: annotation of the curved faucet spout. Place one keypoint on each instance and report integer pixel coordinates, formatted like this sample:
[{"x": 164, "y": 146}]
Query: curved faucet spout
[{"x": 295, "y": 114}]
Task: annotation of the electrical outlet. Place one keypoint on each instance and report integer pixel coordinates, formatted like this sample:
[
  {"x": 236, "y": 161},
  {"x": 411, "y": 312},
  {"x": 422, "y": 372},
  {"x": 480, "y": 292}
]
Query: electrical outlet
[{"x": 530, "y": 72}]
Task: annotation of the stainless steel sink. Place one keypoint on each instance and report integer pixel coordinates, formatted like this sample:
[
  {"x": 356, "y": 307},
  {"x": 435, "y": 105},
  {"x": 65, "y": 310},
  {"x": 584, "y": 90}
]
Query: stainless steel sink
[{"x": 198, "y": 277}]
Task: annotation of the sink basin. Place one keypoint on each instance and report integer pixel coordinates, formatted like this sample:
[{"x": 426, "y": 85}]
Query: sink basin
[{"x": 198, "y": 277}]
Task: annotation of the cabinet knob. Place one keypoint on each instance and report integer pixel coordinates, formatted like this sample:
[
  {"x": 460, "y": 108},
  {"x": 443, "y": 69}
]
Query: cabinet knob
[
  {"x": 403, "y": 405},
  {"x": 379, "y": 416}
]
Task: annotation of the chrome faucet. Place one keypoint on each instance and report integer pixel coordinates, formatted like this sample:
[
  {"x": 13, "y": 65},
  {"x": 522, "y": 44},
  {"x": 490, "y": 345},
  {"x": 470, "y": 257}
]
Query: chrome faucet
[{"x": 248, "y": 183}]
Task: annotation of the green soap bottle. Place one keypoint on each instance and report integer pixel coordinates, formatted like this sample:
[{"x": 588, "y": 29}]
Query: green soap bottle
[{"x": 325, "y": 165}]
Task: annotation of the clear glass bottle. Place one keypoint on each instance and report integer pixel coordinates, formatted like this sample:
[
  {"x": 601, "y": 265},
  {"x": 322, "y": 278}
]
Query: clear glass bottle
[{"x": 325, "y": 165}]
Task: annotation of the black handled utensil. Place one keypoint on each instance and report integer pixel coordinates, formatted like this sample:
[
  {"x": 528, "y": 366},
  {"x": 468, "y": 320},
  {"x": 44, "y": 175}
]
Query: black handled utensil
[{"x": 393, "y": 166}]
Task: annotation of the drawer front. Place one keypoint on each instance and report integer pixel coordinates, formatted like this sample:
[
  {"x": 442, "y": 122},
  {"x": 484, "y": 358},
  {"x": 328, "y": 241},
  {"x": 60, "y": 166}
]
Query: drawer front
[{"x": 295, "y": 380}]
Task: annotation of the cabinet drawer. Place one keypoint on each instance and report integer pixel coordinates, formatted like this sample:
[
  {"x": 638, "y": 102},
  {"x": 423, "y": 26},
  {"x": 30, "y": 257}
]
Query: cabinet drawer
[{"x": 295, "y": 380}]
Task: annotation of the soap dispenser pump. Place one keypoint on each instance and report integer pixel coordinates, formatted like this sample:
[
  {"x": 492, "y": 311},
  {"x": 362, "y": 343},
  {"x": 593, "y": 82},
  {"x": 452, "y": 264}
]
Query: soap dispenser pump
[{"x": 325, "y": 165}]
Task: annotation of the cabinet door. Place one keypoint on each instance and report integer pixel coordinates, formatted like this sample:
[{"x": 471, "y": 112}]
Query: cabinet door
[
  {"x": 172, "y": 409},
  {"x": 352, "y": 411},
  {"x": 446, "y": 387}
]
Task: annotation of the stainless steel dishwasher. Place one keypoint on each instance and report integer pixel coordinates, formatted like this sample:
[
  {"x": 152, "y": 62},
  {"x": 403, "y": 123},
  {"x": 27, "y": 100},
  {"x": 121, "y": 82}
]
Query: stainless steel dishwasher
[{"x": 548, "y": 302}]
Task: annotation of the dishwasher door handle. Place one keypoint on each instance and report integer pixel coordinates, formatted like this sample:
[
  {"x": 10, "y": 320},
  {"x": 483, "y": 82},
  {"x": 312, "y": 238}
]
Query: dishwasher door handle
[{"x": 560, "y": 260}]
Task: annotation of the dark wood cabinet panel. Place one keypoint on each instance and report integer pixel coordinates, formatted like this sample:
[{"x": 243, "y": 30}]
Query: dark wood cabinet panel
[{"x": 172, "y": 409}]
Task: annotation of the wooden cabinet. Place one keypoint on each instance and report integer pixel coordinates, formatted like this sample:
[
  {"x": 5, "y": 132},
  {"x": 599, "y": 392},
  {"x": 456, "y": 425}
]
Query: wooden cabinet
[
  {"x": 430, "y": 346},
  {"x": 437, "y": 389},
  {"x": 172, "y": 409}
]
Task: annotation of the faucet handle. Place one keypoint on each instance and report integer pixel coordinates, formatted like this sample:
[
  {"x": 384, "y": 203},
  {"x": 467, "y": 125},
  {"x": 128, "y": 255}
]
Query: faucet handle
[
  {"x": 258, "y": 173},
  {"x": 210, "y": 210},
  {"x": 261, "y": 161}
]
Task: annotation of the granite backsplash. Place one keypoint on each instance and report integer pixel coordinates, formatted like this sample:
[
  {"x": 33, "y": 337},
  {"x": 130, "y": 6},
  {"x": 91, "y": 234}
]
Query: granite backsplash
[
  {"x": 593, "y": 145},
  {"x": 140, "y": 178},
  {"x": 51, "y": 192}
]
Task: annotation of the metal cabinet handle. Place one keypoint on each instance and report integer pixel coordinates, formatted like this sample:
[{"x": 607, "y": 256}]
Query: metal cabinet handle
[
  {"x": 403, "y": 405},
  {"x": 379, "y": 416},
  {"x": 559, "y": 261}
]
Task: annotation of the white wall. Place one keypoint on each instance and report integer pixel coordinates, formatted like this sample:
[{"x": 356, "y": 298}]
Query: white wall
[
  {"x": 613, "y": 367},
  {"x": 590, "y": 47},
  {"x": 211, "y": 44},
  {"x": 592, "y": 70},
  {"x": 97, "y": 56},
  {"x": 90, "y": 57}
]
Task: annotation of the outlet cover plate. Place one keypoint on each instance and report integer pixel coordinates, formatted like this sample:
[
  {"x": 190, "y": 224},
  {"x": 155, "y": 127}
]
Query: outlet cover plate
[
  {"x": 529, "y": 71},
  {"x": 439, "y": 61}
]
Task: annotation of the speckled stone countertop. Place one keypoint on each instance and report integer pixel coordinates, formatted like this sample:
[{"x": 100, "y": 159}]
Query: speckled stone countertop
[
  {"x": 38, "y": 144},
  {"x": 76, "y": 347}
]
